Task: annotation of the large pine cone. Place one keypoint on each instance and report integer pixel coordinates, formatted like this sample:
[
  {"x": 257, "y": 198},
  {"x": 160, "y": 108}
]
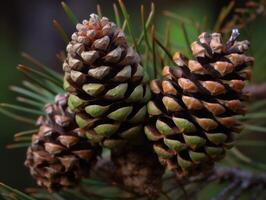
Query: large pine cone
[
  {"x": 60, "y": 154},
  {"x": 192, "y": 112},
  {"x": 105, "y": 79},
  {"x": 138, "y": 170}
]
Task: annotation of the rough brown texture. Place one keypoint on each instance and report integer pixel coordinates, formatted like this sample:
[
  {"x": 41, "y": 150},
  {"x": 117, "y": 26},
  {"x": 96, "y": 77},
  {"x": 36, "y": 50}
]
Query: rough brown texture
[
  {"x": 192, "y": 112},
  {"x": 60, "y": 154},
  {"x": 138, "y": 170},
  {"x": 106, "y": 82}
]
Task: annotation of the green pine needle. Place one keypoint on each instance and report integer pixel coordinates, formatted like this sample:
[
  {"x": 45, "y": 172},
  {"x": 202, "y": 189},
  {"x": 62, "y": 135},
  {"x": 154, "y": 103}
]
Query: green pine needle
[
  {"x": 222, "y": 16},
  {"x": 12, "y": 193},
  {"x": 178, "y": 18},
  {"x": 185, "y": 33},
  {"x": 56, "y": 76},
  {"x": 70, "y": 14},
  {"x": 58, "y": 27},
  {"x": 55, "y": 88},
  {"x": 21, "y": 108},
  {"x": 146, "y": 25},
  {"x": 39, "y": 83},
  {"x": 257, "y": 105},
  {"x": 126, "y": 16},
  {"x": 28, "y": 93},
  {"x": 255, "y": 128},
  {"x": 37, "y": 73},
  {"x": 23, "y": 139},
  {"x": 30, "y": 102},
  {"x": 117, "y": 15},
  {"x": 38, "y": 90},
  {"x": 251, "y": 143},
  {"x": 259, "y": 115},
  {"x": 164, "y": 48},
  {"x": 154, "y": 66},
  {"x": 17, "y": 117},
  {"x": 247, "y": 160}
]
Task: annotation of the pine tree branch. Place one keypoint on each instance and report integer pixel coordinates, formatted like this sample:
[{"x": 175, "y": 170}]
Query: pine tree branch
[{"x": 238, "y": 180}]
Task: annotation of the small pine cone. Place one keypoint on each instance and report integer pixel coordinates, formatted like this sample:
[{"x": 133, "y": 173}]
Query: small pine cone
[
  {"x": 193, "y": 108},
  {"x": 60, "y": 154},
  {"x": 138, "y": 170},
  {"x": 106, "y": 82}
]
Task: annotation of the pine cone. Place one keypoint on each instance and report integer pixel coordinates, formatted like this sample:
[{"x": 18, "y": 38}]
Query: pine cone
[
  {"x": 105, "y": 79},
  {"x": 138, "y": 170},
  {"x": 193, "y": 108},
  {"x": 60, "y": 154}
]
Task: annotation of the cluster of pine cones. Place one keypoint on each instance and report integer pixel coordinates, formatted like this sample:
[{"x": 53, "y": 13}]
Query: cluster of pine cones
[{"x": 184, "y": 122}]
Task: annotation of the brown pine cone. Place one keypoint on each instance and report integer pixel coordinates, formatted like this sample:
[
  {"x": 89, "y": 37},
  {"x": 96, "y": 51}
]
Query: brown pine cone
[
  {"x": 193, "y": 108},
  {"x": 60, "y": 154},
  {"x": 138, "y": 170},
  {"x": 106, "y": 82}
]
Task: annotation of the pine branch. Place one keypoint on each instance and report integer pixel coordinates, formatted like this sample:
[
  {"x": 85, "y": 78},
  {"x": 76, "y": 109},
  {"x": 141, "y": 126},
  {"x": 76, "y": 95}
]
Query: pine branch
[{"x": 238, "y": 180}]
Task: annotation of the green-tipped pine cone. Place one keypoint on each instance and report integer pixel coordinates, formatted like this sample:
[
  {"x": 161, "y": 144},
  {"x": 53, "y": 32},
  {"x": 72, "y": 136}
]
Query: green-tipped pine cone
[
  {"x": 193, "y": 108},
  {"x": 138, "y": 170},
  {"x": 60, "y": 154},
  {"x": 106, "y": 82}
]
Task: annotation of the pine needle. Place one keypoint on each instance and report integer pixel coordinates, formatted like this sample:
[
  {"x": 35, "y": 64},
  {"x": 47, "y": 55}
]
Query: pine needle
[
  {"x": 177, "y": 17},
  {"x": 99, "y": 10},
  {"x": 26, "y": 69},
  {"x": 21, "y": 108},
  {"x": 251, "y": 143},
  {"x": 17, "y": 117},
  {"x": 222, "y": 16},
  {"x": 124, "y": 25},
  {"x": 147, "y": 24},
  {"x": 14, "y": 193},
  {"x": 126, "y": 16},
  {"x": 58, "y": 27},
  {"x": 38, "y": 90},
  {"x": 154, "y": 66},
  {"x": 25, "y": 133},
  {"x": 70, "y": 14},
  {"x": 259, "y": 115},
  {"x": 28, "y": 93},
  {"x": 144, "y": 29},
  {"x": 247, "y": 160},
  {"x": 23, "y": 139},
  {"x": 255, "y": 128},
  {"x": 35, "y": 80},
  {"x": 165, "y": 49},
  {"x": 29, "y": 102},
  {"x": 184, "y": 31},
  {"x": 117, "y": 15},
  {"x": 58, "y": 77}
]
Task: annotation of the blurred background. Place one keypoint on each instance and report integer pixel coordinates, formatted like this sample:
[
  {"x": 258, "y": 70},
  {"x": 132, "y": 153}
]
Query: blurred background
[{"x": 26, "y": 26}]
